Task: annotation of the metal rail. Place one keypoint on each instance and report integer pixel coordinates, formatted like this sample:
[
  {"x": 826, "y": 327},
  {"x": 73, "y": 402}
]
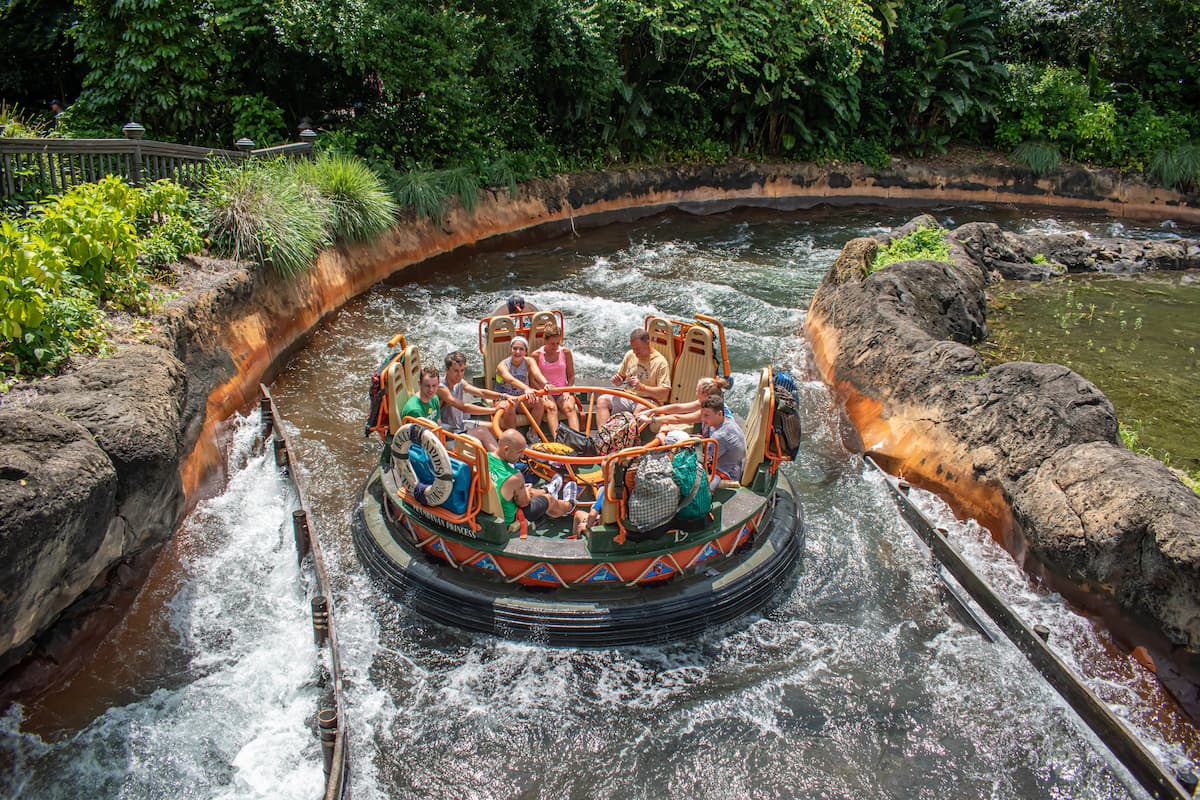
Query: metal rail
[
  {"x": 331, "y": 716},
  {"x": 1116, "y": 736}
]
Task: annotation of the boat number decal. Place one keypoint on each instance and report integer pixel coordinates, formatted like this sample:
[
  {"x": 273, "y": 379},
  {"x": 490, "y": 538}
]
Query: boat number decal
[{"x": 681, "y": 536}]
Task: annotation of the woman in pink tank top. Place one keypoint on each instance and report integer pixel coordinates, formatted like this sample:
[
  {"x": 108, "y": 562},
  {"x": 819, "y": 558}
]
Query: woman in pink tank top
[{"x": 558, "y": 368}]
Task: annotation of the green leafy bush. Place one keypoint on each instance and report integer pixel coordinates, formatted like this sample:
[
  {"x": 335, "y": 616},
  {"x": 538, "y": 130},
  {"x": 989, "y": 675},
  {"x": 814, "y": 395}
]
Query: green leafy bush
[
  {"x": 360, "y": 205},
  {"x": 260, "y": 211},
  {"x": 257, "y": 118},
  {"x": 923, "y": 243}
]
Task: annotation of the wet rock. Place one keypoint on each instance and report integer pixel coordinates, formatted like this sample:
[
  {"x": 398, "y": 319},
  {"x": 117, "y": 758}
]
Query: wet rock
[
  {"x": 89, "y": 478},
  {"x": 57, "y": 496},
  {"x": 1112, "y": 518},
  {"x": 1032, "y": 444}
]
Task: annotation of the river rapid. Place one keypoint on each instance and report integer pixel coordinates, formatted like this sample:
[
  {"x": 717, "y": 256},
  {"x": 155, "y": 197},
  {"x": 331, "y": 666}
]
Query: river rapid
[{"x": 858, "y": 681}]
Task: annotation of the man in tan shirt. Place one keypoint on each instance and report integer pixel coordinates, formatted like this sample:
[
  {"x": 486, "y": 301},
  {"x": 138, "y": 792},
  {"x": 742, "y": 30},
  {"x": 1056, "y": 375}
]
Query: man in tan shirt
[{"x": 643, "y": 372}]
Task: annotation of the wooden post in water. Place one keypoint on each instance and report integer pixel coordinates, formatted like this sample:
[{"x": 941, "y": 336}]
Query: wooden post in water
[
  {"x": 327, "y": 723},
  {"x": 320, "y": 618},
  {"x": 266, "y": 417},
  {"x": 281, "y": 453},
  {"x": 300, "y": 529}
]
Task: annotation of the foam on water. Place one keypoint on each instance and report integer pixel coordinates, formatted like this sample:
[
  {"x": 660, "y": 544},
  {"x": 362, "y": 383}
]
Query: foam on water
[{"x": 238, "y": 723}]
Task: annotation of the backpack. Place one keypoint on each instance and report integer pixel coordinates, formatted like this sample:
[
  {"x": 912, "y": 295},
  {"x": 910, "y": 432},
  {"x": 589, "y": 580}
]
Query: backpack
[
  {"x": 617, "y": 433},
  {"x": 692, "y": 482},
  {"x": 786, "y": 419},
  {"x": 654, "y": 497}
]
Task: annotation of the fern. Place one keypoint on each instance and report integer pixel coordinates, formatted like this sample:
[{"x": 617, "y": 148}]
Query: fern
[{"x": 924, "y": 243}]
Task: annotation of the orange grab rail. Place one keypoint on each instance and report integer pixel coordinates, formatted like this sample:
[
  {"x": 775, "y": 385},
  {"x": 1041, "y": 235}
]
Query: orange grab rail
[{"x": 591, "y": 390}]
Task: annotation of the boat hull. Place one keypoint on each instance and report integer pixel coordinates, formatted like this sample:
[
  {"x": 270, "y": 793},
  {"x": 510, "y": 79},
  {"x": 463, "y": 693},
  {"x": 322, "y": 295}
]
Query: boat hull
[{"x": 672, "y": 610}]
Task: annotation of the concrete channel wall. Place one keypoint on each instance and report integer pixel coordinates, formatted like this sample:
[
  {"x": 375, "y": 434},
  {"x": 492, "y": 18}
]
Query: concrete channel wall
[{"x": 97, "y": 467}]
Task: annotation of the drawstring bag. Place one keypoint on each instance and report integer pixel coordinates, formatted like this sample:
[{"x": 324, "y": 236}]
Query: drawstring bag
[{"x": 654, "y": 497}]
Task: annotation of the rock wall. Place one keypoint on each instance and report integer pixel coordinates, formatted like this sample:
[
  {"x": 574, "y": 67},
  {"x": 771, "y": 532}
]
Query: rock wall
[
  {"x": 1031, "y": 450},
  {"x": 97, "y": 467}
]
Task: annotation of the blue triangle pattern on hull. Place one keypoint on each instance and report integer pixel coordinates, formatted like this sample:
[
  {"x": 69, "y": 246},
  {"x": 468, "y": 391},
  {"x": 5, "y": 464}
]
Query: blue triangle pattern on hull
[
  {"x": 487, "y": 563},
  {"x": 603, "y": 574},
  {"x": 541, "y": 573}
]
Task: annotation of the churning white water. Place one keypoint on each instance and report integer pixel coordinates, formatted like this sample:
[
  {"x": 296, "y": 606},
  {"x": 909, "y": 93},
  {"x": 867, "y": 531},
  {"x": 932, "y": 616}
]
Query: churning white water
[{"x": 234, "y": 720}]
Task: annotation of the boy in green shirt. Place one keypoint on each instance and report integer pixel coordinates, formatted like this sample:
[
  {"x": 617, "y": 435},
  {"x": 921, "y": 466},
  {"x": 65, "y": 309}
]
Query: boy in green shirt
[{"x": 425, "y": 403}]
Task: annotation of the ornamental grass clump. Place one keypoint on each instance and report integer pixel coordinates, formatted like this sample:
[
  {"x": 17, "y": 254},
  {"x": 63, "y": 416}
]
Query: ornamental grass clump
[
  {"x": 1041, "y": 158},
  {"x": 1177, "y": 167},
  {"x": 927, "y": 243},
  {"x": 421, "y": 189},
  {"x": 261, "y": 212},
  {"x": 360, "y": 206}
]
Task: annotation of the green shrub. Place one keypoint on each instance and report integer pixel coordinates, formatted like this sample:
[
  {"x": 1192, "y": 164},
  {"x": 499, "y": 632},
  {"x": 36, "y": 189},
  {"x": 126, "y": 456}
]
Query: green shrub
[
  {"x": 257, "y": 118},
  {"x": 461, "y": 182},
  {"x": 1041, "y": 157},
  {"x": 94, "y": 225},
  {"x": 361, "y": 207},
  {"x": 167, "y": 224},
  {"x": 262, "y": 212},
  {"x": 923, "y": 243}
]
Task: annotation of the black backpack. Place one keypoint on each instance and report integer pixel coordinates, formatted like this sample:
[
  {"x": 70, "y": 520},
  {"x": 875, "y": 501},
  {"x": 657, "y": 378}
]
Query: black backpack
[{"x": 786, "y": 422}]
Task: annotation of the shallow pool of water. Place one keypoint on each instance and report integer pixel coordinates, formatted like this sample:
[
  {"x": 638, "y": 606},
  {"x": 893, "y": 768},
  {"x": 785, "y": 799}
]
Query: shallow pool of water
[{"x": 1135, "y": 336}]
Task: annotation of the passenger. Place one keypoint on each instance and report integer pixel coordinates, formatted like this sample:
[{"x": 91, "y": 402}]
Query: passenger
[
  {"x": 514, "y": 492},
  {"x": 587, "y": 519},
  {"x": 643, "y": 372},
  {"x": 455, "y": 410},
  {"x": 557, "y": 366},
  {"x": 517, "y": 377},
  {"x": 686, "y": 413},
  {"x": 731, "y": 442},
  {"x": 424, "y": 404}
]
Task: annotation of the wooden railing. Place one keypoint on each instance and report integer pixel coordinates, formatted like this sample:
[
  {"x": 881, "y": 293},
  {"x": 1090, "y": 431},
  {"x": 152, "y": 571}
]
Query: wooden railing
[{"x": 47, "y": 166}]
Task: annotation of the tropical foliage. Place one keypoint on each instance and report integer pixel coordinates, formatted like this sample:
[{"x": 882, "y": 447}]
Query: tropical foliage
[
  {"x": 509, "y": 89},
  {"x": 928, "y": 243},
  {"x": 75, "y": 253}
]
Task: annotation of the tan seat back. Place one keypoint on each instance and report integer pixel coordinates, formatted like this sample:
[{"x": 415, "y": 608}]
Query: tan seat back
[
  {"x": 694, "y": 362},
  {"x": 662, "y": 340},
  {"x": 758, "y": 423},
  {"x": 497, "y": 347},
  {"x": 403, "y": 380},
  {"x": 538, "y": 321}
]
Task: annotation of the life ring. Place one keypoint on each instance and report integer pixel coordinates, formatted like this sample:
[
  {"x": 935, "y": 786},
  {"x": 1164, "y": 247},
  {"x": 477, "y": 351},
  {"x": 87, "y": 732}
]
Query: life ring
[{"x": 439, "y": 461}]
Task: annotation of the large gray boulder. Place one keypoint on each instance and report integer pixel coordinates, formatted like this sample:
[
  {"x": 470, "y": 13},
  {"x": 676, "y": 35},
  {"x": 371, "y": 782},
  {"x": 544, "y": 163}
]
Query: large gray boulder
[
  {"x": 89, "y": 481},
  {"x": 1032, "y": 450}
]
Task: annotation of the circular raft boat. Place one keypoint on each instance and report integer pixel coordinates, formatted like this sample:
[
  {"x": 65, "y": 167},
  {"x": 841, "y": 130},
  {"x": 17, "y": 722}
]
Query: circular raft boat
[{"x": 432, "y": 529}]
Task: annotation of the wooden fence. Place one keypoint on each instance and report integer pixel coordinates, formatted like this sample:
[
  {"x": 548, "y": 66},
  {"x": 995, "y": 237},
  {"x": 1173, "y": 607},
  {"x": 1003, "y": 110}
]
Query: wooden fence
[{"x": 47, "y": 166}]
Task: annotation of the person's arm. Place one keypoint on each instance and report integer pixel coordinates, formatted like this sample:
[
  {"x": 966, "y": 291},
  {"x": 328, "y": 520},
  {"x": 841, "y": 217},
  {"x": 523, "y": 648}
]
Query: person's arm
[
  {"x": 660, "y": 388},
  {"x": 570, "y": 366},
  {"x": 513, "y": 489},
  {"x": 536, "y": 378},
  {"x": 447, "y": 398},
  {"x": 486, "y": 394},
  {"x": 679, "y": 419}
]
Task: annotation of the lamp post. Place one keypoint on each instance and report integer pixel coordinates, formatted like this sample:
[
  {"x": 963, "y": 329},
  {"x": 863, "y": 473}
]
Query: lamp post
[{"x": 134, "y": 133}]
